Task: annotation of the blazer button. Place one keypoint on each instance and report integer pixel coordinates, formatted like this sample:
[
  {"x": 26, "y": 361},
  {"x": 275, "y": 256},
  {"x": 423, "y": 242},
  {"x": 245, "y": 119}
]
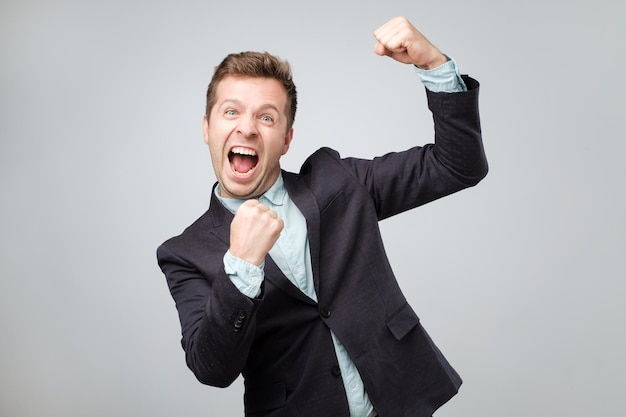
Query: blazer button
[
  {"x": 335, "y": 370},
  {"x": 241, "y": 316},
  {"x": 325, "y": 311}
]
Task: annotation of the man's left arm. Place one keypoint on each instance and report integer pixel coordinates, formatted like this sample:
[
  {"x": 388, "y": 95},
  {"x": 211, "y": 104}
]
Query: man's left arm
[{"x": 399, "y": 181}]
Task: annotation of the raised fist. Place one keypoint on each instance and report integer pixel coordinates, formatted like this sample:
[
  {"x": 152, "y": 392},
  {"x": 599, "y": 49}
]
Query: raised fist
[{"x": 253, "y": 231}]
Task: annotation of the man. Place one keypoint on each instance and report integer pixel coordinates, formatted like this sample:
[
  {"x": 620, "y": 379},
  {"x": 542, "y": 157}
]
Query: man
[{"x": 285, "y": 279}]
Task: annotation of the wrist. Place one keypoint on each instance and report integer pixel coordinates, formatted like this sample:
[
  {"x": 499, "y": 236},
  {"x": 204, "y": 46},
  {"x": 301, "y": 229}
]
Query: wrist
[{"x": 436, "y": 61}]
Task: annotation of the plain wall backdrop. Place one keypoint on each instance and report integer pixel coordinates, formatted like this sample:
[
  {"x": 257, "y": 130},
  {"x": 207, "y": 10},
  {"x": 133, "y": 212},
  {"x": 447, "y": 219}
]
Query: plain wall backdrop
[{"x": 521, "y": 279}]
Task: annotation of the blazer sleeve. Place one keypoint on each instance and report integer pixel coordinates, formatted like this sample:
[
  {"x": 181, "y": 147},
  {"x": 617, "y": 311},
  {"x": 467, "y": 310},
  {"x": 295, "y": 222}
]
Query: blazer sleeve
[
  {"x": 217, "y": 320},
  {"x": 399, "y": 181}
]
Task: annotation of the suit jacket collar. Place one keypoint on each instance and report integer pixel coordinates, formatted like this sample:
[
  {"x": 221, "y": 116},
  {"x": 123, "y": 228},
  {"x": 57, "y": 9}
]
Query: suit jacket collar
[{"x": 219, "y": 218}]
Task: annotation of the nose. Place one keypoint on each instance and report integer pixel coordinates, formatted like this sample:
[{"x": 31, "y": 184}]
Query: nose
[{"x": 247, "y": 127}]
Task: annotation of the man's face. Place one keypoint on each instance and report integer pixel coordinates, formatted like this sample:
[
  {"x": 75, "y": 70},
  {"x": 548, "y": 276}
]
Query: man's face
[{"x": 247, "y": 134}]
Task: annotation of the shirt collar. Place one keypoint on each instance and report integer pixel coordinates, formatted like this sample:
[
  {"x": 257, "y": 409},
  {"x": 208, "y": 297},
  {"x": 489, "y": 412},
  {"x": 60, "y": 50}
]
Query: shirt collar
[{"x": 275, "y": 196}]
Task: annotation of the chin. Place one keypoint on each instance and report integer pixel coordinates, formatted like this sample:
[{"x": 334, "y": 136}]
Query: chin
[{"x": 237, "y": 191}]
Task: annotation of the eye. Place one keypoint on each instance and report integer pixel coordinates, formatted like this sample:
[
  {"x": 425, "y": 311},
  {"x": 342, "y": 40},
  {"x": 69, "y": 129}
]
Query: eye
[
  {"x": 230, "y": 112},
  {"x": 267, "y": 118}
]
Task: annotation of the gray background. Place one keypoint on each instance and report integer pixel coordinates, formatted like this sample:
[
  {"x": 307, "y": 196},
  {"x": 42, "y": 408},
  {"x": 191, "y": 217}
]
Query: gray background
[{"x": 521, "y": 279}]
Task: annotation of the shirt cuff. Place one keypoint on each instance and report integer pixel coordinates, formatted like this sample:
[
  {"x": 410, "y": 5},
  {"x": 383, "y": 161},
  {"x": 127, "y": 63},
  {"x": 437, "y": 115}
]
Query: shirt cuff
[
  {"x": 443, "y": 79},
  {"x": 246, "y": 277}
]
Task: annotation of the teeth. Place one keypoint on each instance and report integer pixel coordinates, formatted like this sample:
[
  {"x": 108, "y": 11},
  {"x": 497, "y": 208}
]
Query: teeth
[{"x": 243, "y": 151}]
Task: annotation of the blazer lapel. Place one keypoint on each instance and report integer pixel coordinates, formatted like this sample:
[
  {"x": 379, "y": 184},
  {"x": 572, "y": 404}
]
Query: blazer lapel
[
  {"x": 274, "y": 274},
  {"x": 220, "y": 219},
  {"x": 304, "y": 199}
]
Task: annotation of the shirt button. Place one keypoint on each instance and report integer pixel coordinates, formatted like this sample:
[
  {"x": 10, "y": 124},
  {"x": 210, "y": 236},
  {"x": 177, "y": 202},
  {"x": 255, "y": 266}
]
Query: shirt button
[
  {"x": 335, "y": 370},
  {"x": 325, "y": 311}
]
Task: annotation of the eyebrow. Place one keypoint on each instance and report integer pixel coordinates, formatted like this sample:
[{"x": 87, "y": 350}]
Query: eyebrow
[{"x": 239, "y": 102}]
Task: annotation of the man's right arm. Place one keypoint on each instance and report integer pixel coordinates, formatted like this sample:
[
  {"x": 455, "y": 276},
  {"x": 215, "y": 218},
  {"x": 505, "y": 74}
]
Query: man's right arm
[
  {"x": 216, "y": 293},
  {"x": 217, "y": 320}
]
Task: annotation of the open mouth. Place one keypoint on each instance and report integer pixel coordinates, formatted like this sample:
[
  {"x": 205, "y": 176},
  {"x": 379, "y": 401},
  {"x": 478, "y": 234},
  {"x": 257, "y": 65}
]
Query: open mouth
[{"x": 242, "y": 160}]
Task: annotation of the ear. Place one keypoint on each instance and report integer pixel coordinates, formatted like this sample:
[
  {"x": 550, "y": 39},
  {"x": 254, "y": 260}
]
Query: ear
[
  {"x": 205, "y": 129},
  {"x": 288, "y": 139}
]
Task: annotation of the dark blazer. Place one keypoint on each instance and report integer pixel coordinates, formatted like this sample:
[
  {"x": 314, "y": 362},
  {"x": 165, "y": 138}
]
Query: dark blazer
[{"x": 280, "y": 341}]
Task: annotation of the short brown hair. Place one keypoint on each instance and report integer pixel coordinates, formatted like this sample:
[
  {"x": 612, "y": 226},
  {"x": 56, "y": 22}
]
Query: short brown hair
[{"x": 255, "y": 64}]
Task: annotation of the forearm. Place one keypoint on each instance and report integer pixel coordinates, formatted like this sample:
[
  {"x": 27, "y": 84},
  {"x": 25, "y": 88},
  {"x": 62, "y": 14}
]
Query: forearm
[
  {"x": 217, "y": 345},
  {"x": 245, "y": 276},
  {"x": 217, "y": 320},
  {"x": 458, "y": 136}
]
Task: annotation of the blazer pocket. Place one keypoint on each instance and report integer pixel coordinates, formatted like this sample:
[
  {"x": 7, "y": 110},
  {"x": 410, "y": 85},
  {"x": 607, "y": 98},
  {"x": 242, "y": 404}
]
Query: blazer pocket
[
  {"x": 332, "y": 200},
  {"x": 402, "y": 321},
  {"x": 265, "y": 398}
]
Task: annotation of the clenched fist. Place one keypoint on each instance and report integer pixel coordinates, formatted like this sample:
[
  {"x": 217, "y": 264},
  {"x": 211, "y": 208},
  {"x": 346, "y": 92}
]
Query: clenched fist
[
  {"x": 253, "y": 231},
  {"x": 400, "y": 40}
]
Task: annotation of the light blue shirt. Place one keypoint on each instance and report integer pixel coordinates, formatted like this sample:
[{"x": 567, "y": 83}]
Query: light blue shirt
[
  {"x": 443, "y": 79},
  {"x": 292, "y": 255}
]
